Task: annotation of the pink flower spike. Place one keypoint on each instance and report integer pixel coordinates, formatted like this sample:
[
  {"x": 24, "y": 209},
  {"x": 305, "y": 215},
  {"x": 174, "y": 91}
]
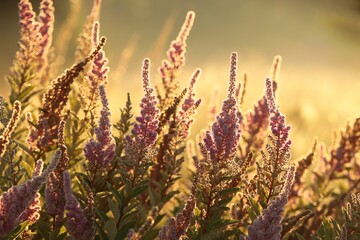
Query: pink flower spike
[
  {"x": 20, "y": 199},
  {"x": 145, "y": 130},
  {"x": 46, "y": 21},
  {"x": 268, "y": 225},
  {"x": 100, "y": 152},
  {"x": 77, "y": 222},
  {"x": 190, "y": 100},
  {"x": 222, "y": 140}
]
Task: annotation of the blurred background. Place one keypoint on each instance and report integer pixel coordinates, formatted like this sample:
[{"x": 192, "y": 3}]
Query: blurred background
[{"x": 319, "y": 41}]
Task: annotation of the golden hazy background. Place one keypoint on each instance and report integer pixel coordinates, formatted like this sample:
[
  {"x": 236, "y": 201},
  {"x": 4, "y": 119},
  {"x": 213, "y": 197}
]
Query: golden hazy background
[{"x": 319, "y": 41}]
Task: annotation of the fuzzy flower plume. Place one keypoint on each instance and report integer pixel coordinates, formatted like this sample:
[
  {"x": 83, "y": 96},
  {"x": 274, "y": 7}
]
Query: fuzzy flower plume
[
  {"x": 277, "y": 151},
  {"x": 83, "y": 42},
  {"x": 46, "y": 21},
  {"x": 19, "y": 199},
  {"x": 222, "y": 140},
  {"x": 23, "y": 73},
  {"x": 256, "y": 122},
  {"x": 54, "y": 191},
  {"x": 29, "y": 34},
  {"x": 77, "y": 222},
  {"x": 188, "y": 107},
  {"x": 346, "y": 151},
  {"x": 177, "y": 226},
  {"x": 53, "y": 103},
  {"x": 101, "y": 152},
  {"x": 278, "y": 127},
  {"x": 98, "y": 72},
  {"x": 268, "y": 225},
  {"x": 139, "y": 145},
  {"x": 31, "y": 214},
  {"x": 176, "y": 59},
  {"x": 10, "y": 127},
  {"x": 145, "y": 128}
]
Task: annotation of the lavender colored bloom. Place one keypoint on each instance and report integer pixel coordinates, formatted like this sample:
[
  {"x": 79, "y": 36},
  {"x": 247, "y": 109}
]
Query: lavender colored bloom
[
  {"x": 277, "y": 122},
  {"x": 10, "y": 127},
  {"x": 268, "y": 225},
  {"x": 83, "y": 42},
  {"x": 31, "y": 214},
  {"x": 190, "y": 101},
  {"x": 145, "y": 130},
  {"x": 28, "y": 25},
  {"x": 46, "y": 26},
  {"x": 98, "y": 72},
  {"x": 190, "y": 104},
  {"x": 54, "y": 191},
  {"x": 99, "y": 69},
  {"x": 177, "y": 227},
  {"x": 78, "y": 224},
  {"x": 101, "y": 152},
  {"x": 18, "y": 199},
  {"x": 221, "y": 142},
  {"x": 175, "y": 61},
  {"x": 176, "y": 53}
]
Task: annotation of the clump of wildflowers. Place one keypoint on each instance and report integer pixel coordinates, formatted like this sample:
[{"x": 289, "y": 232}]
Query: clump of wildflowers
[
  {"x": 214, "y": 173},
  {"x": 18, "y": 199},
  {"x": 53, "y": 103}
]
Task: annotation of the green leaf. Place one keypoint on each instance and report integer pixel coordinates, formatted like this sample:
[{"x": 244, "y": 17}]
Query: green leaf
[
  {"x": 119, "y": 196},
  {"x": 111, "y": 229},
  {"x": 228, "y": 191},
  {"x": 138, "y": 190},
  {"x": 123, "y": 231},
  {"x": 103, "y": 217},
  {"x": 114, "y": 209},
  {"x": 102, "y": 235}
]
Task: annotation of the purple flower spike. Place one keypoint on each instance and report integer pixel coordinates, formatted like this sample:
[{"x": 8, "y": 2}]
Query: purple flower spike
[
  {"x": 99, "y": 69},
  {"x": 188, "y": 107},
  {"x": 77, "y": 223},
  {"x": 268, "y": 225},
  {"x": 277, "y": 120},
  {"x": 101, "y": 152},
  {"x": 177, "y": 226},
  {"x": 20, "y": 199},
  {"x": 222, "y": 140},
  {"x": 145, "y": 130},
  {"x": 46, "y": 26}
]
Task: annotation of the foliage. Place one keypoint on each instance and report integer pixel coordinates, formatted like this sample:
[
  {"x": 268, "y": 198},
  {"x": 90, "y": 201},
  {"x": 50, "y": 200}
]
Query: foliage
[{"x": 129, "y": 180}]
